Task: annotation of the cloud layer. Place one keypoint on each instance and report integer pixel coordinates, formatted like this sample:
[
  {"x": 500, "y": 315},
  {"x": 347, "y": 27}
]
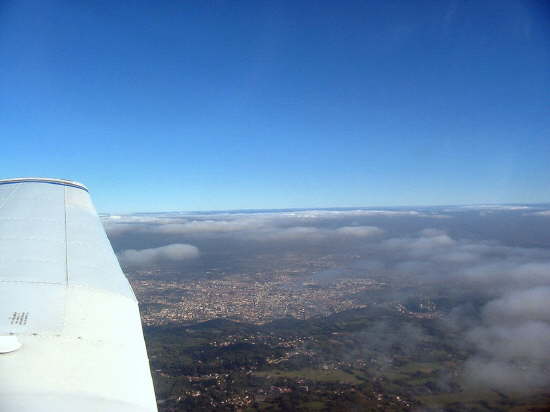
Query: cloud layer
[
  {"x": 508, "y": 286},
  {"x": 511, "y": 341},
  {"x": 176, "y": 252},
  {"x": 262, "y": 226}
]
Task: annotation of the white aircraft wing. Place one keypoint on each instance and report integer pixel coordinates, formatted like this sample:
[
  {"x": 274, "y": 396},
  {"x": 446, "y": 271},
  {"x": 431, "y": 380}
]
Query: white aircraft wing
[{"x": 70, "y": 331}]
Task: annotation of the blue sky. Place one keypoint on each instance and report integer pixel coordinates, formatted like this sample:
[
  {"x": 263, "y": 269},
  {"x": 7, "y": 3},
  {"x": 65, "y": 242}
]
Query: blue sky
[{"x": 202, "y": 105}]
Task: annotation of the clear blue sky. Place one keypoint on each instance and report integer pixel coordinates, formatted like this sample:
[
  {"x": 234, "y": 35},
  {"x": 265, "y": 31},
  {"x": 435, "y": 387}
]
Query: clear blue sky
[{"x": 200, "y": 105}]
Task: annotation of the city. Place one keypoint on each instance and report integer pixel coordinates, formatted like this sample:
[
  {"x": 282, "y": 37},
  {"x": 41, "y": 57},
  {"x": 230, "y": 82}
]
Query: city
[
  {"x": 392, "y": 320},
  {"x": 241, "y": 299}
]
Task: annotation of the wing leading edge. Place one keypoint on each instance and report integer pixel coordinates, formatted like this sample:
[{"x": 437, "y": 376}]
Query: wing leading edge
[{"x": 70, "y": 331}]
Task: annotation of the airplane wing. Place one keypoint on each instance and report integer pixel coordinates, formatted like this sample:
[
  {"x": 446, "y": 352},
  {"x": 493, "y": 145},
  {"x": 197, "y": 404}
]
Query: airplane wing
[{"x": 70, "y": 330}]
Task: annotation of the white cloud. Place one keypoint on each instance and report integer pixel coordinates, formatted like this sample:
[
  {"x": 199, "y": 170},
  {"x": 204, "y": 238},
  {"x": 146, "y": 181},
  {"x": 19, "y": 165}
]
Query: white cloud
[
  {"x": 428, "y": 242},
  {"x": 495, "y": 207},
  {"x": 513, "y": 342},
  {"x": 309, "y": 233},
  {"x": 205, "y": 226},
  {"x": 175, "y": 252},
  {"x": 520, "y": 306},
  {"x": 515, "y": 269},
  {"x": 260, "y": 226},
  {"x": 359, "y": 231},
  {"x": 291, "y": 233},
  {"x": 324, "y": 214}
]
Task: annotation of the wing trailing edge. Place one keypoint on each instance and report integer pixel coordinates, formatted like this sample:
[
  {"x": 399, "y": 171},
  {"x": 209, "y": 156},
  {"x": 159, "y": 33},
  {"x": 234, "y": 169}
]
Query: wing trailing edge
[{"x": 69, "y": 321}]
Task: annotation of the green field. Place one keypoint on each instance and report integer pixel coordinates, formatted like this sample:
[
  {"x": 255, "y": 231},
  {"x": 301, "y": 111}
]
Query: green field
[{"x": 317, "y": 375}]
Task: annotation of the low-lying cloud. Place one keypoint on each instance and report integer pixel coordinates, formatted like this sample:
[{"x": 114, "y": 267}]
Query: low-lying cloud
[
  {"x": 359, "y": 231},
  {"x": 504, "y": 289},
  {"x": 176, "y": 252},
  {"x": 511, "y": 341},
  {"x": 261, "y": 227}
]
